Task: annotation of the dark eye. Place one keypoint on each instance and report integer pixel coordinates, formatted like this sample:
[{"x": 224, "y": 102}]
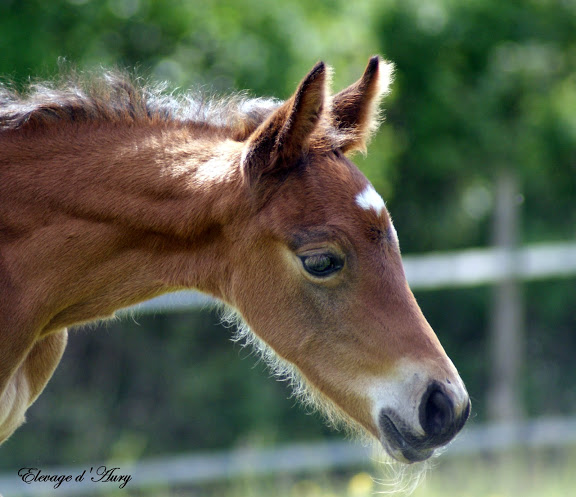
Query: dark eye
[{"x": 321, "y": 265}]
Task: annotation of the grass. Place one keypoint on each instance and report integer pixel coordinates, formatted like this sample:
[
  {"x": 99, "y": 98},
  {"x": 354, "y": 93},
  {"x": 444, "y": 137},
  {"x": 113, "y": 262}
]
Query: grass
[
  {"x": 515, "y": 474},
  {"x": 521, "y": 473}
]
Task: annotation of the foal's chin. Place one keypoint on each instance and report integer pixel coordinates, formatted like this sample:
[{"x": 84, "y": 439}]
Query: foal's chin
[
  {"x": 400, "y": 444},
  {"x": 406, "y": 454}
]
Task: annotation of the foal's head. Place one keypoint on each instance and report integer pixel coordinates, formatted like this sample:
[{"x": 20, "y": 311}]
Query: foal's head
[{"x": 318, "y": 276}]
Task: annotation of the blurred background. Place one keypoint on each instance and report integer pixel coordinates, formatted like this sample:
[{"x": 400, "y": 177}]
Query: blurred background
[{"x": 477, "y": 164}]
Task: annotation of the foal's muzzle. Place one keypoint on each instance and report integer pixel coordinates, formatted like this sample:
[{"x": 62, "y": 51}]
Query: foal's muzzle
[{"x": 440, "y": 420}]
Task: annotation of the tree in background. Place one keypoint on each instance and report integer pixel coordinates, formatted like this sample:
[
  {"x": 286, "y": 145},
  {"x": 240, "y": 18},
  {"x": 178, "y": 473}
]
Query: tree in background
[{"x": 481, "y": 86}]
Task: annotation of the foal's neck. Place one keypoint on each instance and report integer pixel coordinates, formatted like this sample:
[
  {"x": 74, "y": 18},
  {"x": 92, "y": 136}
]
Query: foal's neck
[{"x": 115, "y": 215}]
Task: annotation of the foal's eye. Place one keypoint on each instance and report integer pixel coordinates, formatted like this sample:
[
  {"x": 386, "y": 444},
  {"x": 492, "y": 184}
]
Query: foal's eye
[{"x": 322, "y": 265}]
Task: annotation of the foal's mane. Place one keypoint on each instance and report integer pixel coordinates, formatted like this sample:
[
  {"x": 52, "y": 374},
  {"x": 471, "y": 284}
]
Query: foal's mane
[{"x": 117, "y": 97}]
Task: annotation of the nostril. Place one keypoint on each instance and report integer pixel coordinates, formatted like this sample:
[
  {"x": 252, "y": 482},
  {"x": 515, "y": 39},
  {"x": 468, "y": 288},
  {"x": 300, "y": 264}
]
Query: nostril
[{"x": 436, "y": 413}]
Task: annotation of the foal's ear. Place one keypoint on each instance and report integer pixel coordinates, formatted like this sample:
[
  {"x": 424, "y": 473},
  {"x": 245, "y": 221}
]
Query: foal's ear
[
  {"x": 355, "y": 109},
  {"x": 281, "y": 141}
]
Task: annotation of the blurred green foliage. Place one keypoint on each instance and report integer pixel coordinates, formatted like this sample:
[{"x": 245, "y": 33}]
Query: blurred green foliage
[{"x": 480, "y": 85}]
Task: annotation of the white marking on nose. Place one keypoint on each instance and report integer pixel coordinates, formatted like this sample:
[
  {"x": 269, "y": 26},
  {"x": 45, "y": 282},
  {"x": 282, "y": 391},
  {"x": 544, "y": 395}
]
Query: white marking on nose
[{"x": 369, "y": 199}]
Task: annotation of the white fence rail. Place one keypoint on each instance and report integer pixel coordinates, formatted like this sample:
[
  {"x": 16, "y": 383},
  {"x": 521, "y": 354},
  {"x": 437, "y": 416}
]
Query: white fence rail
[
  {"x": 193, "y": 469},
  {"x": 442, "y": 270},
  {"x": 483, "y": 266}
]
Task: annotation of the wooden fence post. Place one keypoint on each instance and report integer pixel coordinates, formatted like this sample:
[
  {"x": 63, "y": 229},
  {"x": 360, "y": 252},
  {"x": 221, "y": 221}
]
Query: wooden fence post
[{"x": 506, "y": 331}]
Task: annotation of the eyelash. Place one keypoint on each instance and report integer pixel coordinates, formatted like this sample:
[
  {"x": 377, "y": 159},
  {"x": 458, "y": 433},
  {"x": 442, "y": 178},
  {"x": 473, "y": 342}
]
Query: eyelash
[{"x": 322, "y": 265}]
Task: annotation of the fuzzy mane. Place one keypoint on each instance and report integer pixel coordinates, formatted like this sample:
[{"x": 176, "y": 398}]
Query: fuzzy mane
[{"x": 114, "y": 97}]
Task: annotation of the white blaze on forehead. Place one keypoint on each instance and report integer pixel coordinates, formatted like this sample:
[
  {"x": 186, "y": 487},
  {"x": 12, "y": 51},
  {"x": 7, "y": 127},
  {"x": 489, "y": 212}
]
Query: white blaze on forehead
[
  {"x": 393, "y": 232},
  {"x": 369, "y": 199}
]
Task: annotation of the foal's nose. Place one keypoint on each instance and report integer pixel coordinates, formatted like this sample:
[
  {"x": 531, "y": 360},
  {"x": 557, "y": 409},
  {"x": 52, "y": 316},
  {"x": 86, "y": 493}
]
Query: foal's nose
[{"x": 439, "y": 417}]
